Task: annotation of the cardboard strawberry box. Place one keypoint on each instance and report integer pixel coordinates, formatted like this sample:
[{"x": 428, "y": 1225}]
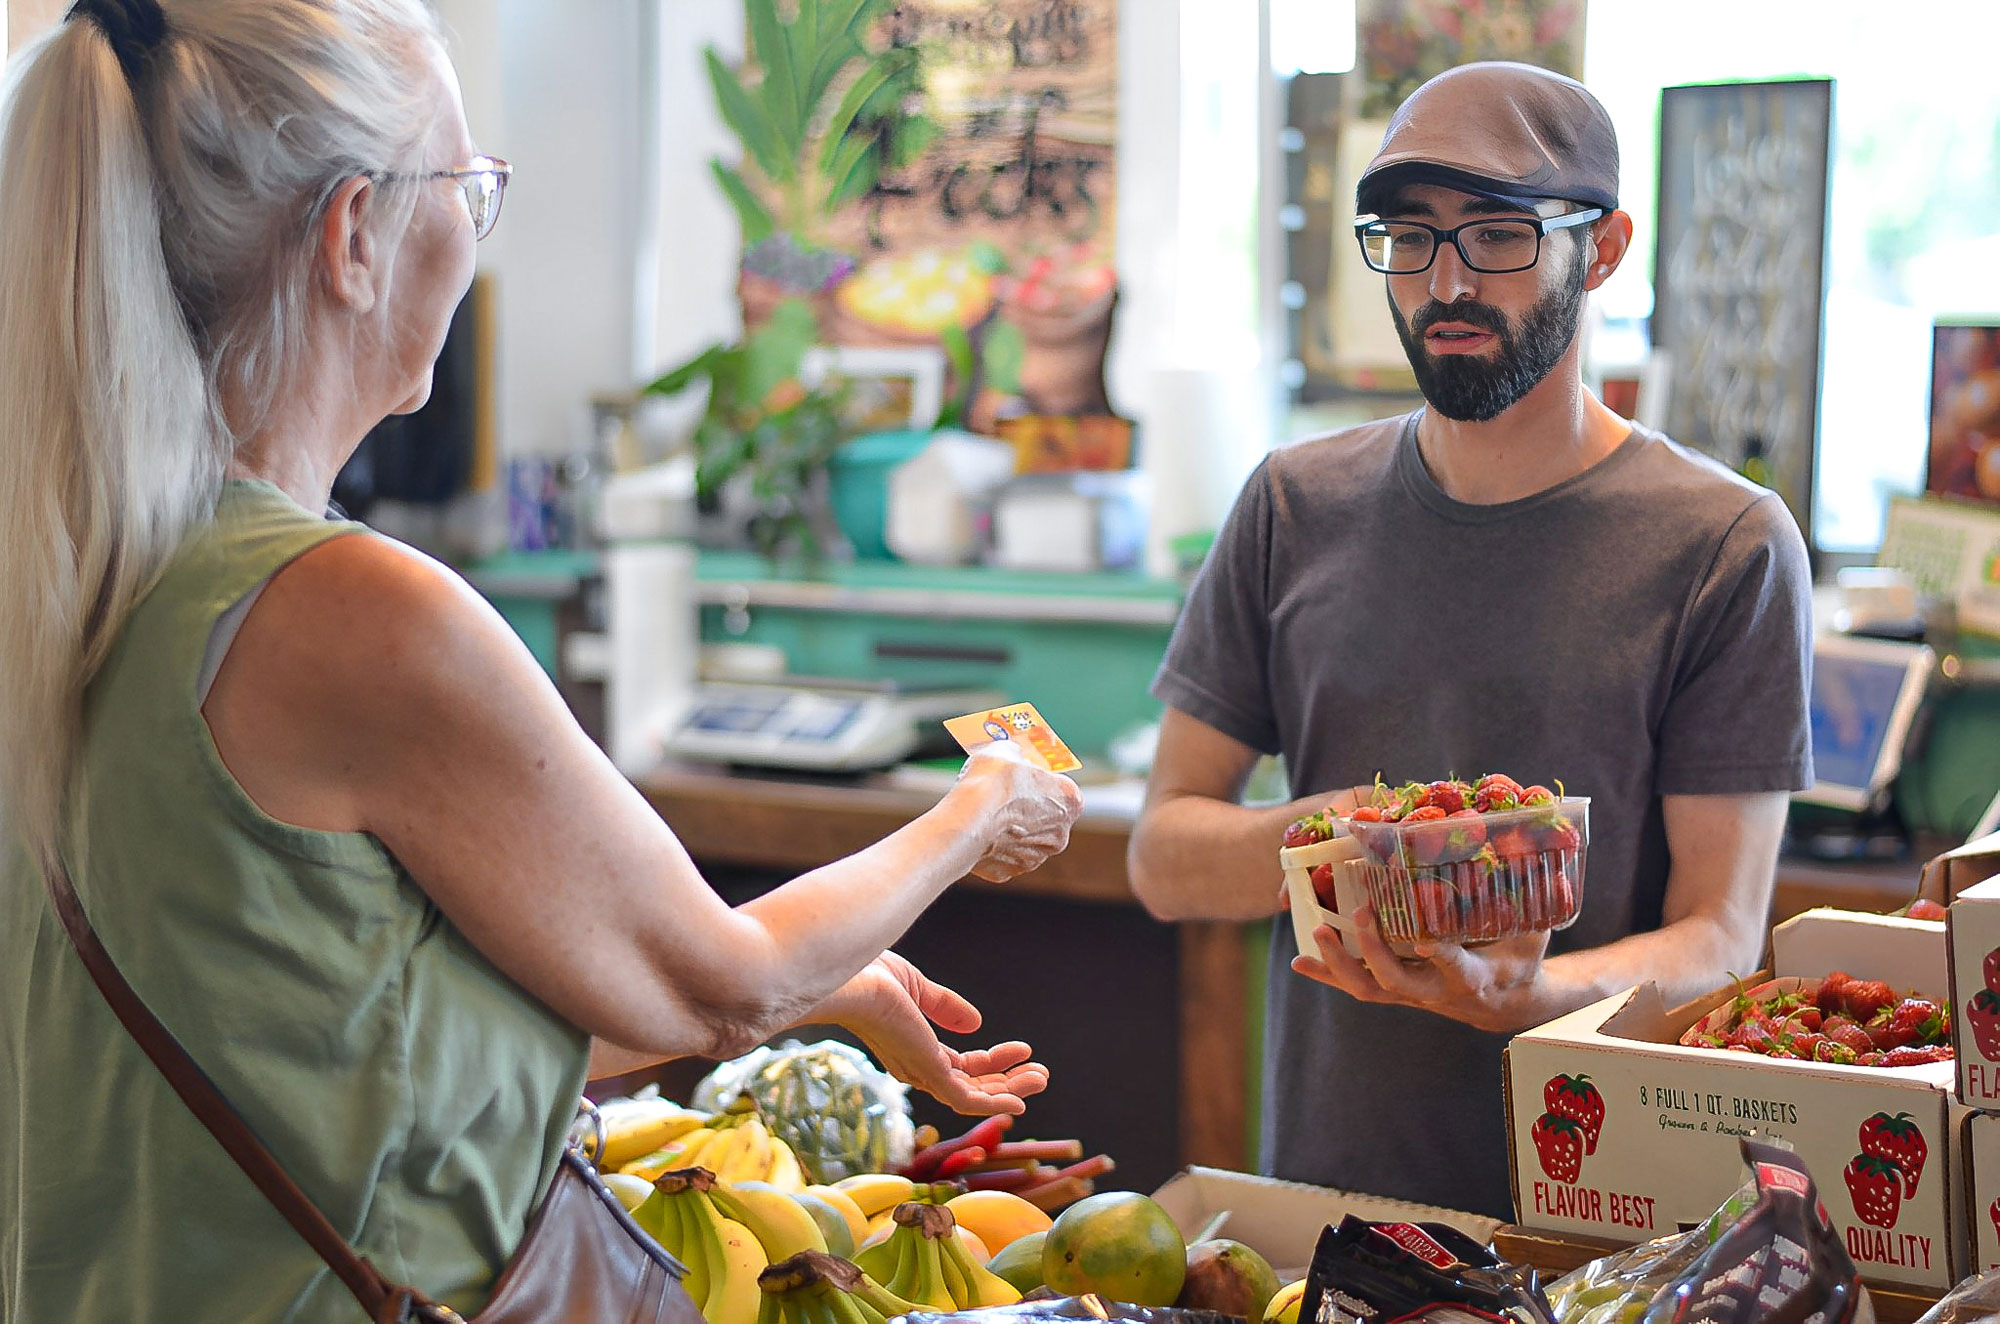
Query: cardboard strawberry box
[
  {"x": 1973, "y": 929},
  {"x": 1976, "y": 1144},
  {"x": 1617, "y": 1130}
]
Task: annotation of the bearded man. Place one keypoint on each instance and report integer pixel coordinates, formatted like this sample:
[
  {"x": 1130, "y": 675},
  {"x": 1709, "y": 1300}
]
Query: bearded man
[{"x": 1512, "y": 578}]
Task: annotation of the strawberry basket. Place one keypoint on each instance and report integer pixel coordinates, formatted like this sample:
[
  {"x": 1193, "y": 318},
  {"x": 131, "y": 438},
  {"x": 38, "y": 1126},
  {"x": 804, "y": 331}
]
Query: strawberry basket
[
  {"x": 1469, "y": 880},
  {"x": 1463, "y": 876}
]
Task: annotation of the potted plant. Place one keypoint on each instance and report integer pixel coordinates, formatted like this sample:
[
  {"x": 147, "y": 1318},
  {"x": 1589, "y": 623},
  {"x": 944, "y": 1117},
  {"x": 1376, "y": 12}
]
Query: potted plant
[
  {"x": 762, "y": 424},
  {"x": 816, "y": 154}
]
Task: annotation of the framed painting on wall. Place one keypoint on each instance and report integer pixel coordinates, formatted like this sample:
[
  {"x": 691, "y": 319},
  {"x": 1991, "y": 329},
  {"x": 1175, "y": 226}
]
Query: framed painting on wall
[
  {"x": 1739, "y": 274},
  {"x": 1965, "y": 412}
]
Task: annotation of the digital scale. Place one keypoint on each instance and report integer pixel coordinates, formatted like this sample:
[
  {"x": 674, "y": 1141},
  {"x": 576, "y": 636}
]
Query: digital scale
[{"x": 817, "y": 725}]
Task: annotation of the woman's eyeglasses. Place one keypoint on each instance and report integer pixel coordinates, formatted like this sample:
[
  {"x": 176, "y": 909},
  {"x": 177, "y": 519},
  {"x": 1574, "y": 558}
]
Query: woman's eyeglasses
[{"x": 483, "y": 182}]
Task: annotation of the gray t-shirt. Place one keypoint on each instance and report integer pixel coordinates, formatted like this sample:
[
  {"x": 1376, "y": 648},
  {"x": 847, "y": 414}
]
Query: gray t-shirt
[{"x": 1642, "y": 629}]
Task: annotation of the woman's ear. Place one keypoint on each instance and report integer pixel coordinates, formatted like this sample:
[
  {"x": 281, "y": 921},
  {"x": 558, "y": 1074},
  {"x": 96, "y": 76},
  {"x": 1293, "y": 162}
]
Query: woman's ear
[
  {"x": 347, "y": 251},
  {"x": 1610, "y": 237}
]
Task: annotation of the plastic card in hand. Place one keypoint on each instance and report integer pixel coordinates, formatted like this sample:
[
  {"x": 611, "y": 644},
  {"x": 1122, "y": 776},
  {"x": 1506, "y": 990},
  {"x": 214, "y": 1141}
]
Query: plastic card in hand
[{"x": 1020, "y": 724}]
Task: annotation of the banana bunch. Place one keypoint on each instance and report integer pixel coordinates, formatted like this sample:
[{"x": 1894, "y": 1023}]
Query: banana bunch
[
  {"x": 733, "y": 1144},
  {"x": 878, "y": 1193},
  {"x": 634, "y": 1128},
  {"x": 824, "y": 1289},
  {"x": 924, "y": 1261},
  {"x": 723, "y": 1257}
]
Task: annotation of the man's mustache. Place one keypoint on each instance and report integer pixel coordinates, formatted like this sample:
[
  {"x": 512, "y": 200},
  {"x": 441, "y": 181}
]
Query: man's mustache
[{"x": 1483, "y": 316}]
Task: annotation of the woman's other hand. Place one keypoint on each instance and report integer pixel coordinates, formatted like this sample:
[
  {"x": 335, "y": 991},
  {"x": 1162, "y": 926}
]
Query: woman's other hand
[
  {"x": 1034, "y": 813},
  {"x": 894, "y": 1008}
]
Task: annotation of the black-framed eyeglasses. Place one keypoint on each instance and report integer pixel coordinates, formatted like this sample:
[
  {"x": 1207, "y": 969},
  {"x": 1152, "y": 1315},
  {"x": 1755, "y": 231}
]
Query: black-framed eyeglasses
[
  {"x": 484, "y": 183},
  {"x": 1492, "y": 245}
]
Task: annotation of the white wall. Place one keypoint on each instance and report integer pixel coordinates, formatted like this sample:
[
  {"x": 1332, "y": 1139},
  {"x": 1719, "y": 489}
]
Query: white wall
[{"x": 556, "y": 89}]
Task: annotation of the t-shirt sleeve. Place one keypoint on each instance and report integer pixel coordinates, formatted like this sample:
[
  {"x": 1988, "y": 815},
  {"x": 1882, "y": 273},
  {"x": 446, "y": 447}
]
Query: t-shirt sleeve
[
  {"x": 1737, "y": 720},
  {"x": 1217, "y": 664}
]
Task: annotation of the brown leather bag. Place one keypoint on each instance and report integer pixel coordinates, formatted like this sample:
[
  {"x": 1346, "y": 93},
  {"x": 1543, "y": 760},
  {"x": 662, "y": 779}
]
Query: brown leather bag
[{"x": 582, "y": 1261}]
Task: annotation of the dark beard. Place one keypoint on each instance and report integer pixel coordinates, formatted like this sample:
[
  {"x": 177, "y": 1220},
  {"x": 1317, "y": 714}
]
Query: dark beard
[{"x": 1473, "y": 389}]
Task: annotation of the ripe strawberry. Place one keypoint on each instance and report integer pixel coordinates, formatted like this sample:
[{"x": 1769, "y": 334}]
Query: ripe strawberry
[
  {"x": 1983, "y": 1015},
  {"x": 1576, "y": 1098},
  {"x": 1466, "y": 834},
  {"x": 1876, "y": 1187},
  {"x": 1833, "y": 992},
  {"x": 1537, "y": 795},
  {"x": 1308, "y": 830},
  {"x": 1322, "y": 884},
  {"x": 1448, "y": 796},
  {"x": 1872, "y": 1058},
  {"x": 1436, "y": 906},
  {"x": 1898, "y": 1140},
  {"x": 1559, "y": 1146},
  {"x": 1560, "y": 835},
  {"x": 1365, "y": 814},
  {"x": 1495, "y": 797},
  {"x": 1806, "y": 1044},
  {"x": 1498, "y": 781},
  {"x": 1922, "y": 908},
  {"x": 1865, "y": 997},
  {"x": 1426, "y": 845},
  {"x": 1807, "y": 1018},
  {"x": 1911, "y": 1021},
  {"x": 1846, "y": 1033},
  {"x": 1515, "y": 843},
  {"x": 1826, "y": 1050},
  {"x": 1916, "y": 1055},
  {"x": 1754, "y": 1036}
]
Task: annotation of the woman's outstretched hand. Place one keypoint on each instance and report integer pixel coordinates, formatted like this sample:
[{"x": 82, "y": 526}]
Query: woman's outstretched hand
[{"x": 897, "y": 1012}]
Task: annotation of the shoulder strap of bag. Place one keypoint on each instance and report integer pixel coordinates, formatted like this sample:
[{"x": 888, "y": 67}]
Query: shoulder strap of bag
[{"x": 384, "y": 1301}]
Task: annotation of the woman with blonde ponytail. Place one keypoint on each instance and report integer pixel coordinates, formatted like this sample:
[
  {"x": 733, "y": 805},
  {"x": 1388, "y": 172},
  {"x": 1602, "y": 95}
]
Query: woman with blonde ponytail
[{"x": 325, "y": 814}]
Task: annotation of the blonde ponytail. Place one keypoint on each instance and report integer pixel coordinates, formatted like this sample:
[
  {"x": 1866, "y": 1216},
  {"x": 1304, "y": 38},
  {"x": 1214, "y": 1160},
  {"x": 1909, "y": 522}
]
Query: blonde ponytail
[{"x": 155, "y": 259}]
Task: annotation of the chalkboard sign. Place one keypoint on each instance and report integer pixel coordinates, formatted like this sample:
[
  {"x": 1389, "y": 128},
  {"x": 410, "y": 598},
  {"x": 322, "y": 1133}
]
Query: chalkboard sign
[{"x": 1739, "y": 274}]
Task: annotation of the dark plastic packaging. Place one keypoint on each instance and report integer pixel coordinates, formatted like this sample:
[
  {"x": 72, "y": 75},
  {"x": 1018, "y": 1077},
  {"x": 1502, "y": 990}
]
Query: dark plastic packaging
[
  {"x": 1376, "y": 1273},
  {"x": 1780, "y": 1263}
]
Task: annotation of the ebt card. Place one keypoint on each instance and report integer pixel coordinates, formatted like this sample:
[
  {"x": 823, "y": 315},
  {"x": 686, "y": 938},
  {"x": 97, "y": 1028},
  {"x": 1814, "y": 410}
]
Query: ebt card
[{"x": 1019, "y": 723}]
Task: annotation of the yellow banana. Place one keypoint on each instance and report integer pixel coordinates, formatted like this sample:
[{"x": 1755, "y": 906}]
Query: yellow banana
[
  {"x": 729, "y": 1154},
  {"x": 983, "y": 1287},
  {"x": 733, "y": 1297},
  {"x": 785, "y": 1173},
  {"x": 753, "y": 1161},
  {"x": 951, "y": 1273},
  {"x": 674, "y": 1154},
  {"x": 873, "y": 1192},
  {"x": 814, "y": 1288},
  {"x": 636, "y": 1127},
  {"x": 781, "y": 1224},
  {"x": 857, "y": 1222}
]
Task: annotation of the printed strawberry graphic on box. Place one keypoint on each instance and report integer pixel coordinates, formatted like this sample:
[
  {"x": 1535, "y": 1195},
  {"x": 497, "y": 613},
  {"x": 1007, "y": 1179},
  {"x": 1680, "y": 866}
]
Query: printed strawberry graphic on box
[
  {"x": 1876, "y": 1187},
  {"x": 1992, "y": 969},
  {"x": 1898, "y": 1141},
  {"x": 1983, "y": 1015},
  {"x": 1576, "y": 1098},
  {"x": 1993, "y": 1212},
  {"x": 1559, "y": 1147}
]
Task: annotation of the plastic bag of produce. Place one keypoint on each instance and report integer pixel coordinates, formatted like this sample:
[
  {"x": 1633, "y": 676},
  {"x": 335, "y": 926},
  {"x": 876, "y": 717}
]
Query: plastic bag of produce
[
  {"x": 1780, "y": 1261},
  {"x": 840, "y": 1113},
  {"x": 1374, "y": 1273},
  {"x": 1974, "y": 1301},
  {"x": 1617, "y": 1288}
]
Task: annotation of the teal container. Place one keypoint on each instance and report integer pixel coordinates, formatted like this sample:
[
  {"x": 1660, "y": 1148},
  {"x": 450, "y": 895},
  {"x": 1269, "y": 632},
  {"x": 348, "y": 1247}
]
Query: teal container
[{"x": 859, "y": 481}]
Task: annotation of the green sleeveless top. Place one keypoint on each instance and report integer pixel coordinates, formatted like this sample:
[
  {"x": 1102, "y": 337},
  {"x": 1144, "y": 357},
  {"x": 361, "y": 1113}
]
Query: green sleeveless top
[{"x": 416, "y": 1094}]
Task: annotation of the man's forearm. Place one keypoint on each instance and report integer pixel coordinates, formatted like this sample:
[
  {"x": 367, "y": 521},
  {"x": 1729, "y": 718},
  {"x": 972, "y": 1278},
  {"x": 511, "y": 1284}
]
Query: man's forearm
[
  {"x": 1193, "y": 857},
  {"x": 1685, "y": 959}
]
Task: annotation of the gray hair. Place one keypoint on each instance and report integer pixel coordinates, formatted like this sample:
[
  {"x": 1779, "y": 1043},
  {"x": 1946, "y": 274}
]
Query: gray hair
[{"x": 156, "y": 258}]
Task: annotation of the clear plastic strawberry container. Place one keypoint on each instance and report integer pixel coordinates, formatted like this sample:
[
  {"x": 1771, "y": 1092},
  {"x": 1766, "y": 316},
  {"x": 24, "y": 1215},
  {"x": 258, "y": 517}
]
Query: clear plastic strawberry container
[{"x": 1467, "y": 879}]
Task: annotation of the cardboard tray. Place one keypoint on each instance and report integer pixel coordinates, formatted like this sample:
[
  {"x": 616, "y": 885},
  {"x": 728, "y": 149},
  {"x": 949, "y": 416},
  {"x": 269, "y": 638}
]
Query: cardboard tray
[{"x": 1282, "y": 1220}]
